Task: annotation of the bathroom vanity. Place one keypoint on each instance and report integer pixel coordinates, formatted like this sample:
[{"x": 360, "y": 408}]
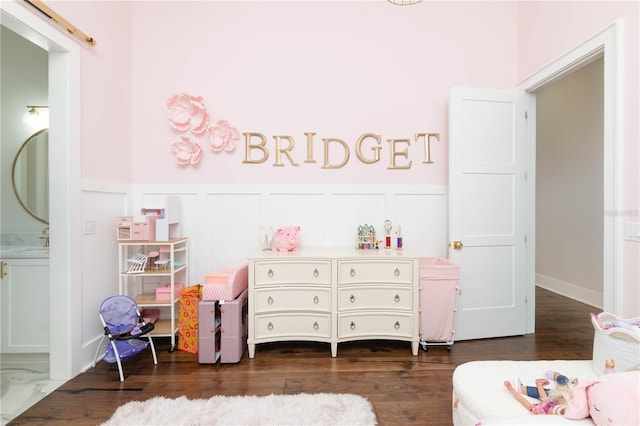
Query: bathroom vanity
[{"x": 25, "y": 300}]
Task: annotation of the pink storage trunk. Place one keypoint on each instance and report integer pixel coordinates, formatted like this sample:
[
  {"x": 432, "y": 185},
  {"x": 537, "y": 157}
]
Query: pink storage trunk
[
  {"x": 233, "y": 327},
  {"x": 237, "y": 281},
  {"x": 208, "y": 332},
  {"x": 438, "y": 292}
]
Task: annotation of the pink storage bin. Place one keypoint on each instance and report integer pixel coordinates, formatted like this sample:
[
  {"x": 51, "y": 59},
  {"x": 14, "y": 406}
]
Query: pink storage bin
[
  {"x": 438, "y": 292},
  {"x": 237, "y": 281},
  {"x": 163, "y": 292},
  {"x": 208, "y": 332},
  {"x": 233, "y": 326}
]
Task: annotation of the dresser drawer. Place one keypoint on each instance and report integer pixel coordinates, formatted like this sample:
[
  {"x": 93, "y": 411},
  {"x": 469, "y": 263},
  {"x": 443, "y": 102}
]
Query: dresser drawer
[
  {"x": 375, "y": 325},
  {"x": 270, "y": 299},
  {"x": 375, "y": 297},
  {"x": 375, "y": 271},
  {"x": 293, "y": 272},
  {"x": 293, "y": 326}
]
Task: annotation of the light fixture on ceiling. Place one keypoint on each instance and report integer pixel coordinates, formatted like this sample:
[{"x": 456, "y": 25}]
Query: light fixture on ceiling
[
  {"x": 37, "y": 117},
  {"x": 404, "y": 2}
]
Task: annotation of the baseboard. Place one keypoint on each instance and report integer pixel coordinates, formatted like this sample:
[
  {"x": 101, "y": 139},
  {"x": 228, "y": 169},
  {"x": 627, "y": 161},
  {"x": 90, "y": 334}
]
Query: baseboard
[
  {"x": 24, "y": 358},
  {"x": 570, "y": 290}
]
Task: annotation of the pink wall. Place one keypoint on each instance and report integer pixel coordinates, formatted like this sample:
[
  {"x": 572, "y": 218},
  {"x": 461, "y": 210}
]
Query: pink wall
[
  {"x": 339, "y": 69},
  {"x": 106, "y": 87},
  {"x": 546, "y": 30}
]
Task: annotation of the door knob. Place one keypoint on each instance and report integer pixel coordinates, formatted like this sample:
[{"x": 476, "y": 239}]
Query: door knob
[{"x": 457, "y": 245}]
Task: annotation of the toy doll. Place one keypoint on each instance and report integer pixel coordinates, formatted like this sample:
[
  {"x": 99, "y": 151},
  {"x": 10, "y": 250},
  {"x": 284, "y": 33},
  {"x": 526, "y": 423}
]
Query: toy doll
[
  {"x": 546, "y": 404},
  {"x": 533, "y": 391},
  {"x": 551, "y": 401}
]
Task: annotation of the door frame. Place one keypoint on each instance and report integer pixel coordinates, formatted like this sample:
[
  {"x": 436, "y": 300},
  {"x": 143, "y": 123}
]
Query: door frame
[
  {"x": 65, "y": 295},
  {"x": 608, "y": 44}
]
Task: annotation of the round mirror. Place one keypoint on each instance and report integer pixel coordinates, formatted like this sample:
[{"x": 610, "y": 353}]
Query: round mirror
[{"x": 30, "y": 175}]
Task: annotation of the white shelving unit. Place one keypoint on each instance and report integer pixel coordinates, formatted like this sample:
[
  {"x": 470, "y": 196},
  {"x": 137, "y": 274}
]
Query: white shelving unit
[{"x": 141, "y": 284}]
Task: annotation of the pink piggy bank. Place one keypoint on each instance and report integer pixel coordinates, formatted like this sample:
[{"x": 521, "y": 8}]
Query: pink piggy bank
[{"x": 286, "y": 239}]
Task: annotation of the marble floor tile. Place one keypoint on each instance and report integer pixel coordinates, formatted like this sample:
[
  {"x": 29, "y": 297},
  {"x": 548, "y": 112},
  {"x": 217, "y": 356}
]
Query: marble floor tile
[{"x": 24, "y": 380}]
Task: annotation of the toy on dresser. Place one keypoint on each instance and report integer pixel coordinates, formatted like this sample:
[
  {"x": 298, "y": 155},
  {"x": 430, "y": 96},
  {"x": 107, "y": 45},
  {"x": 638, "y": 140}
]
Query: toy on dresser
[{"x": 286, "y": 239}]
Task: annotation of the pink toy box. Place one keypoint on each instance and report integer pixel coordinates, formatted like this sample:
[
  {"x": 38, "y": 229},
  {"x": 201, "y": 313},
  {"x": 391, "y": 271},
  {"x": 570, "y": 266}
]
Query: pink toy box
[
  {"x": 237, "y": 280},
  {"x": 233, "y": 327},
  {"x": 208, "y": 332},
  {"x": 163, "y": 292}
]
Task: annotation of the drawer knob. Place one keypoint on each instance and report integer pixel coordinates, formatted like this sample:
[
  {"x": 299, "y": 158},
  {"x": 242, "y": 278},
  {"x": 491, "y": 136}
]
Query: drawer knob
[
  {"x": 396, "y": 272},
  {"x": 316, "y": 326},
  {"x": 316, "y": 300},
  {"x": 397, "y": 298},
  {"x": 352, "y": 325},
  {"x": 270, "y": 273},
  {"x": 270, "y": 300},
  {"x": 397, "y": 325},
  {"x": 352, "y": 299},
  {"x": 270, "y": 326},
  {"x": 316, "y": 272},
  {"x": 352, "y": 272}
]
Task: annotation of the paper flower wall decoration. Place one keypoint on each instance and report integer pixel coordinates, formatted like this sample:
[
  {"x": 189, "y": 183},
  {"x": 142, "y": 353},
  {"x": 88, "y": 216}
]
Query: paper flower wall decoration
[
  {"x": 187, "y": 152},
  {"x": 188, "y": 112},
  {"x": 223, "y": 136}
]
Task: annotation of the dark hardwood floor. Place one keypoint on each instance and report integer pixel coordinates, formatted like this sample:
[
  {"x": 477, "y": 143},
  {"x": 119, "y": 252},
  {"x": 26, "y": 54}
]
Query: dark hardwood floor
[{"x": 402, "y": 388}]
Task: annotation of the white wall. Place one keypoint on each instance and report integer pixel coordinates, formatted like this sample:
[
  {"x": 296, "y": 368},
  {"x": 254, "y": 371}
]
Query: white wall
[{"x": 569, "y": 185}]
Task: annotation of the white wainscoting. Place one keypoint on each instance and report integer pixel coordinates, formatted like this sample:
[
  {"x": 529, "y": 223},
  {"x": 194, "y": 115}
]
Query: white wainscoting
[
  {"x": 223, "y": 222},
  {"x": 223, "y": 225}
]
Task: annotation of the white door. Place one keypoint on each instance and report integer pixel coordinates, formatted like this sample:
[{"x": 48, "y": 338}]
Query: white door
[{"x": 487, "y": 210}]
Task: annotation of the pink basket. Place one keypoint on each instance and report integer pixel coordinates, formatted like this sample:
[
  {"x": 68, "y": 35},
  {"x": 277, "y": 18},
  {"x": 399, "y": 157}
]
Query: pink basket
[{"x": 237, "y": 281}]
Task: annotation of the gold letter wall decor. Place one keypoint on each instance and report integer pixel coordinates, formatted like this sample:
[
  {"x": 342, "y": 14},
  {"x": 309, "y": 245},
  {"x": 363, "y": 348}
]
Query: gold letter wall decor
[
  {"x": 286, "y": 151},
  {"x": 327, "y": 165},
  {"x": 331, "y": 157},
  {"x": 309, "y": 136},
  {"x": 427, "y": 145},
  {"x": 249, "y": 147},
  {"x": 394, "y": 153},
  {"x": 375, "y": 149}
]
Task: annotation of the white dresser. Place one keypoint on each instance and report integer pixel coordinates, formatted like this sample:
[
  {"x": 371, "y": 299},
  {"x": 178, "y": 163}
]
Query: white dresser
[{"x": 333, "y": 296}]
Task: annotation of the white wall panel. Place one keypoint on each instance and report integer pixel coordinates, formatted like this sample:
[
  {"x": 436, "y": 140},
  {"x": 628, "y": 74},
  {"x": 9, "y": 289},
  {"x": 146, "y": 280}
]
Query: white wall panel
[
  {"x": 423, "y": 218},
  {"x": 350, "y": 210},
  {"x": 232, "y": 225},
  {"x": 223, "y": 225},
  {"x": 99, "y": 259},
  {"x": 303, "y": 209}
]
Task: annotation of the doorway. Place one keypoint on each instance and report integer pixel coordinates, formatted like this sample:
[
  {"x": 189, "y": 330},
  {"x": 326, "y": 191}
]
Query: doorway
[
  {"x": 569, "y": 185},
  {"x": 64, "y": 167},
  {"x": 607, "y": 44}
]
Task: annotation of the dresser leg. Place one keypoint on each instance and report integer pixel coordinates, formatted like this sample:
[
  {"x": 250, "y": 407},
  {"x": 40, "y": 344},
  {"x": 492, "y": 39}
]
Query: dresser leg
[
  {"x": 414, "y": 348},
  {"x": 334, "y": 350},
  {"x": 252, "y": 350}
]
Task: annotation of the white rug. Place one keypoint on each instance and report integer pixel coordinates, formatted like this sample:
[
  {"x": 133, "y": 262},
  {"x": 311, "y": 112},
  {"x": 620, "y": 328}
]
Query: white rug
[{"x": 300, "y": 409}]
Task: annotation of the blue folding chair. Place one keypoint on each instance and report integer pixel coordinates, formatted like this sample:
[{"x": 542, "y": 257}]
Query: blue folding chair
[{"x": 126, "y": 330}]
